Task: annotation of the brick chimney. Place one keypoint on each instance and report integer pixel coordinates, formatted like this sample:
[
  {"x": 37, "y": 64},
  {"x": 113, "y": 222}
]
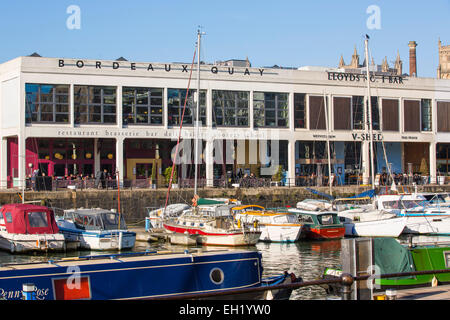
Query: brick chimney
[{"x": 412, "y": 59}]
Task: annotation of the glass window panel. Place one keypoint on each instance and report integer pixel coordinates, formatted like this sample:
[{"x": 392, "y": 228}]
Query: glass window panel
[{"x": 42, "y": 101}]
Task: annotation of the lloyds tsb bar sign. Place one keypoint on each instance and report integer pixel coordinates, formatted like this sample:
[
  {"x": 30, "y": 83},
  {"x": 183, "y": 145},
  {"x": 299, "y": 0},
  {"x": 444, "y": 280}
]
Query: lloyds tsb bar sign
[{"x": 125, "y": 65}]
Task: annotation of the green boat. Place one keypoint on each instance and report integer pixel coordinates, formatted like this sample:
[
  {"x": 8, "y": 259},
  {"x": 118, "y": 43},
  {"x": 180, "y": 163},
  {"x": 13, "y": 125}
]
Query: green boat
[
  {"x": 393, "y": 257},
  {"x": 390, "y": 257}
]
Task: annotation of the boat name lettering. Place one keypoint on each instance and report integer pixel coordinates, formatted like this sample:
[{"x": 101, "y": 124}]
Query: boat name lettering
[
  {"x": 17, "y": 294},
  {"x": 80, "y": 64},
  {"x": 409, "y": 137}
]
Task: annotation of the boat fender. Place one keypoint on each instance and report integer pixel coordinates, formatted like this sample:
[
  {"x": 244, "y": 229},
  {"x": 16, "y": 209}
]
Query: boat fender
[{"x": 239, "y": 223}]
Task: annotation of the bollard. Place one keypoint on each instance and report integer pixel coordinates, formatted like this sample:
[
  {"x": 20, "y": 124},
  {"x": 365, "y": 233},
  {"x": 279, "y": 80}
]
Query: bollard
[
  {"x": 28, "y": 291},
  {"x": 346, "y": 281}
]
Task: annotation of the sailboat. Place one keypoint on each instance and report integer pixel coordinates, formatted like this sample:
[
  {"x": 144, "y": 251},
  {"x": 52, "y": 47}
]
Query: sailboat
[{"x": 210, "y": 223}]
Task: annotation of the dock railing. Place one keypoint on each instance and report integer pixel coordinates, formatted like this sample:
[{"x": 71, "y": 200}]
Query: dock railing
[{"x": 345, "y": 280}]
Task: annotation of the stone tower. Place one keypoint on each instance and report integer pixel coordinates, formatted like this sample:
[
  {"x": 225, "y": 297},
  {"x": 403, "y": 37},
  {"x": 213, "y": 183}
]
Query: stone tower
[{"x": 443, "y": 70}]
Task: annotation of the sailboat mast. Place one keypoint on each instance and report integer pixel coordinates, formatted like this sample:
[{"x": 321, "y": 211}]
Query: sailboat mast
[
  {"x": 197, "y": 115},
  {"x": 369, "y": 110},
  {"x": 328, "y": 143}
]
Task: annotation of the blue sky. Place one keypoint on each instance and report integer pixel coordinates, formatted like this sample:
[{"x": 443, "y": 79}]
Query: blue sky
[{"x": 284, "y": 32}]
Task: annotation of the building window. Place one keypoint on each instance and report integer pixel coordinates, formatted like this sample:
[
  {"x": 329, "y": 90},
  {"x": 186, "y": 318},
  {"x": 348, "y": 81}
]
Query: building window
[
  {"x": 443, "y": 116},
  {"x": 230, "y": 108},
  {"x": 411, "y": 115},
  {"x": 390, "y": 115},
  {"x": 175, "y": 103},
  {"x": 95, "y": 104},
  {"x": 358, "y": 112},
  {"x": 46, "y": 103},
  {"x": 142, "y": 105},
  {"x": 426, "y": 114},
  {"x": 270, "y": 109},
  {"x": 342, "y": 113},
  {"x": 317, "y": 113},
  {"x": 300, "y": 110}
]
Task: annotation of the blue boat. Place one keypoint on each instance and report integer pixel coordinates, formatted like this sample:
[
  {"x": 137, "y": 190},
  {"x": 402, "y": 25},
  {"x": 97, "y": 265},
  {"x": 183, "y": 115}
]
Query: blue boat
[
  {"x": 95, "y": 229},
  {"x": 142, "y": 275}
]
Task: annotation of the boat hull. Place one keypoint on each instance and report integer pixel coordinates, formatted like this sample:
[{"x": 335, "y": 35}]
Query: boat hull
[
  {"x": 135, "y": 276},
  {"x": 378, "y": 228},
  {"x": 428, "y": 224},
  {"x": 22, "y": 243},
  {"x": 318, "y": 233},
  {"x": 272, "y": 233},
  {"x": 217, "y": 238},
  {"x": 100, "y": 240}
]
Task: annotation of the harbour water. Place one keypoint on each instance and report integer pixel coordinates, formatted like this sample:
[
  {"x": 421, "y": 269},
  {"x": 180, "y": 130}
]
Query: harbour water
[{"x": 307, "y": 259}]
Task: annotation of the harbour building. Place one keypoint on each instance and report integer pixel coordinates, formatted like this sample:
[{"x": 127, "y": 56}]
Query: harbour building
[{"x": 69, "y": 116}]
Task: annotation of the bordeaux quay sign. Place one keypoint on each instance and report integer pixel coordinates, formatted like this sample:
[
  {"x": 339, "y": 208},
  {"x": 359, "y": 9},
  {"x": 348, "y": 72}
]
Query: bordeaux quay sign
[{"x": 80, "y": 64}]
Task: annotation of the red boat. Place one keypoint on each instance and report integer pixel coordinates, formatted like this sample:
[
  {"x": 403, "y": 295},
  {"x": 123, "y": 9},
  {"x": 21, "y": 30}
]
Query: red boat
[
  {"x": 28, "y": 227},
  {"x": 320, "y": 225}
]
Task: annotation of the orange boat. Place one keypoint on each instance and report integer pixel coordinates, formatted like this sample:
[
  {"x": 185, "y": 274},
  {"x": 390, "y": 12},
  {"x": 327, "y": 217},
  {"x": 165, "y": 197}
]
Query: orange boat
[{"x": 320, "y": 225}]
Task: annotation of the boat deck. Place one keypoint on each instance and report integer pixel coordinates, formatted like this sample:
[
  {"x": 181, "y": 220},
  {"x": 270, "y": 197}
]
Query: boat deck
[
  {"x": 427, "y": 293},
  {"x": 113, "y": 258}
]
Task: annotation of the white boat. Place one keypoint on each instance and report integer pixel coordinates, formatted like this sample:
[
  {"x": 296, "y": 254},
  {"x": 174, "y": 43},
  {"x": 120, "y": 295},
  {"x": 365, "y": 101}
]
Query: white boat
[
  {"x": 274, "y": 226},
  {"x": 421, "y": 218},
  {"x": 155, "y": 216},
  {"x": 95, "y": 229},
  {"x": 212, "y": 225},
  {"x": 383, "y": 227},
  {"x": 28, "y": 227},
  {"x": 314, "y": 204}
]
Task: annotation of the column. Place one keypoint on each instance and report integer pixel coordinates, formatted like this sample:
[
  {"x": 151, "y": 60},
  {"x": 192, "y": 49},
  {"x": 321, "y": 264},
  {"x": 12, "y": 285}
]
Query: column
[
  {"x": 432, "y": 161},
  {"x": 209, "y": 161},
  {"x": 119, "y": 157},
  {"x": 365, "y": 148},
  {"x": 4, "y": 164},
  {"x": 96, "y": 156},
  {"x": 291, "y": 163},
  {"x": 72, "y": 105},
  {"x": 21, "y": 160},
  {"x": 119, "y": 111}
]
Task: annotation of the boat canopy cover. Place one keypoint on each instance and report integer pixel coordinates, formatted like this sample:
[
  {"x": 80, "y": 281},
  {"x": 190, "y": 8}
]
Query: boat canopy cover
[
  {"x": 28, "y": 219},
  {"x": 320, "y": 194},
  {"x": 391, "y": 257},
  {"x": 205, "y": 201}
]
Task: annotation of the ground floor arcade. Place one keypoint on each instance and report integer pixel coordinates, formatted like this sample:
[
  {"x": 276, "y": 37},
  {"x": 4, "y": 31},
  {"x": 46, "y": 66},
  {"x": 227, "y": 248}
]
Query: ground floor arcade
[{"x": 285, "y": 161}]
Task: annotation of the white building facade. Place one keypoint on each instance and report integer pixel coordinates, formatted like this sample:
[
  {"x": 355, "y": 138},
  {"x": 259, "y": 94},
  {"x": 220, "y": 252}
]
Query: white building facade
[{"x": 74, "y": 116}]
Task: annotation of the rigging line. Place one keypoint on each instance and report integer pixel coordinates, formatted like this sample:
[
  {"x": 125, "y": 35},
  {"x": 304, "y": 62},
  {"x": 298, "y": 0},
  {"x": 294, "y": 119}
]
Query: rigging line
[{"x": 179, "y": 132}]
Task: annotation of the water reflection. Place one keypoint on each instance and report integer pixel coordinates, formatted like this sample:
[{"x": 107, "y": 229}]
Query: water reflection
[{"x": 307, "y": 259}]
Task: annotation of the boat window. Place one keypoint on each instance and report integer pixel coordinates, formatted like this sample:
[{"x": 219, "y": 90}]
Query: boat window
[
  {"x": 2, "y": 221},
  {"x": 326, "y": 219},
  {"x": 447, "y": 259},
  {"x": 111, "y": 221},
  {"x": 305, "y": 219},
  {"x": 401, "y": 204},
  {"x": 37, "y": 219},
  {"x": 8, "y": 217},
  {"x": 291, "y": 218}
]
